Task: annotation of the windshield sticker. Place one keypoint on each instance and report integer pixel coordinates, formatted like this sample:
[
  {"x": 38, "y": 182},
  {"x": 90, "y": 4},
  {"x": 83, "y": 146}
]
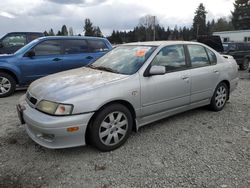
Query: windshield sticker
[{"x": 141, "y": 53}]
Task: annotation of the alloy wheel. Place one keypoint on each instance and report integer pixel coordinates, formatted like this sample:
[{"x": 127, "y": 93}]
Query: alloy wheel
[
  {"x": 221, "y": 96},
  {"x": 113, "y": 128},
  {"x": 5, "y": 85}
]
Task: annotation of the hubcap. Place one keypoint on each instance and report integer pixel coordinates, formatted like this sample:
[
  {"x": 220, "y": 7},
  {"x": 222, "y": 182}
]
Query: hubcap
[
  {"x": 113, "y": 128},
  {"x": 5, "y": 85},
  {"x": 221, "y": 96}
]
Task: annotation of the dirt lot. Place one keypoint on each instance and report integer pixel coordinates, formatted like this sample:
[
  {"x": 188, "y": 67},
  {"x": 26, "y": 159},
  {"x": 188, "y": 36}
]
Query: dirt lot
[{"x": 198, "y": 148}]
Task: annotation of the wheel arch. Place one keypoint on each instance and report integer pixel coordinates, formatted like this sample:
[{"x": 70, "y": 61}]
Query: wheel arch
[
  {"x": 122, "y": 102},
  {"x": 11, "y": 73}
]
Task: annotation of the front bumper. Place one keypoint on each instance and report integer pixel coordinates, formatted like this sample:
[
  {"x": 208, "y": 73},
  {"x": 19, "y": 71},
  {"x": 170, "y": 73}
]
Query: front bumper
[{"x": 52, "y": 131}]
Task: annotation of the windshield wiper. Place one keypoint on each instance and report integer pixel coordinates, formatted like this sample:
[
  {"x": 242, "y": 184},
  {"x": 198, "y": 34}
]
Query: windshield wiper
[{"x": 103, "y": 68}]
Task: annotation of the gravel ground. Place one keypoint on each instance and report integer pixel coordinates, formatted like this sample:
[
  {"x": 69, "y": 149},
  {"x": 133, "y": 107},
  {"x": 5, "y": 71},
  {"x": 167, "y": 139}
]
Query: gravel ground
[{"x": 198, "y": 148}]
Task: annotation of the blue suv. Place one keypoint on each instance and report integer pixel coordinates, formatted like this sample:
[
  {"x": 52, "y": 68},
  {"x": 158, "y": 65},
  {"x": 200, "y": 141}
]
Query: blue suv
[{"x": 48, "y": 55}]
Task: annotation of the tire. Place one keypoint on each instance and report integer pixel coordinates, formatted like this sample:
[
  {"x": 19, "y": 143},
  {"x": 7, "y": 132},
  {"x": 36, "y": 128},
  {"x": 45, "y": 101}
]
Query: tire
[
  {"x": 244, "y": 65},
  {"x": 220, "y": 97},
  {"x": 7, "y": 85},
  {"x": 111, "y": 127}
]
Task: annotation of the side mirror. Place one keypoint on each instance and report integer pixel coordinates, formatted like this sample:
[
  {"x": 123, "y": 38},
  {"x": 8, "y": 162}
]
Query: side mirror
[
  {"x": 157, "y": 70},
  {"x": 30, "y": 54}
]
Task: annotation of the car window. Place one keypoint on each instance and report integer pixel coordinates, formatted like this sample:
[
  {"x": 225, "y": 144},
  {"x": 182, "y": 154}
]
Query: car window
[
  {"x": 198, "y": 56},
  {"x": 172, "y": 57},
  {"x": 52, "y": 47},
  {"x": 14, "y": 40},
  {"x": 34, "y": 36},
  {"x": 75, "y": 46},
  {"x": 212, "y": 56},
  {"x": 97, "y": 45}
]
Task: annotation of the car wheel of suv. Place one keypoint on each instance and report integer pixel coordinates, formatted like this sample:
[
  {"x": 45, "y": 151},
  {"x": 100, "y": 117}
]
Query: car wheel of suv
[
  {"x": 220, "y": 97},
  {"x": 7, "y": 85},
  {"x": 244, "y": 65},
  {"x": 111, "y": 127}
]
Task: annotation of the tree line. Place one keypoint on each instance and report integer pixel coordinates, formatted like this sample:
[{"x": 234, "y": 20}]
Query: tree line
[{"x": 149, "y": 28}]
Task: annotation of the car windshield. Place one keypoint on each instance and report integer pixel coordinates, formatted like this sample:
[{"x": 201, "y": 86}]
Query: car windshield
[
  {"x": 26, "y": 47},
  {"x": 124, "y": 59}
]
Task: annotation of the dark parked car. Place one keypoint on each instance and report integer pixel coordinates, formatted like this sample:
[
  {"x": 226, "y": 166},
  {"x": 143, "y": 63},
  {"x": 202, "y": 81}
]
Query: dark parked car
[
  {"x": 12, "y": 42},
  {"x": 240, "y": 51},
  {"x": 48, "y": 55}
]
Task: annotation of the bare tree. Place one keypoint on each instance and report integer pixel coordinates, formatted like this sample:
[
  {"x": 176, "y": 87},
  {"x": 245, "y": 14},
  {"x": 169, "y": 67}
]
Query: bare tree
[
  {"x": 149, "y": 22},
  {"x": 71, "y": 33}
]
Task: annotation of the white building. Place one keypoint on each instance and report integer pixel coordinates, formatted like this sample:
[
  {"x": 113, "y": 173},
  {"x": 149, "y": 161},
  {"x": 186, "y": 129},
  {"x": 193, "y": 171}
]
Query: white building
[{"x": 234, "y": 36}]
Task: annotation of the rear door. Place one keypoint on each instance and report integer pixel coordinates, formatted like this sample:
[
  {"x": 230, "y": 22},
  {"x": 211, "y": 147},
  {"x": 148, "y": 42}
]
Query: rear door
[
  {"x": 76, "y": 53},
  {"x": 81, "y": 52},
  {"x": 204, "y": 74},
  {"x": 47, "y": 60}
]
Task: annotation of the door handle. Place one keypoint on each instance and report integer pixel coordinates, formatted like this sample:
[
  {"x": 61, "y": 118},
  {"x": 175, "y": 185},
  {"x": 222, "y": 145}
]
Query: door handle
[
  {"x": 89, "y": 57},
  {"x": 56, "y": 59},
  {"x": 216, "y": 71}
]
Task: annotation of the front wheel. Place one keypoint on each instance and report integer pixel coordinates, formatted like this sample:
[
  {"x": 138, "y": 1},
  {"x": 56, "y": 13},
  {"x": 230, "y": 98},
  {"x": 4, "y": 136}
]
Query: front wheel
[
  {"x": 111, "y": 127},
  {"x": 7, "y": 85},
  {"x": 244, "y": 65},
  {"x": 220, "y": 97}
]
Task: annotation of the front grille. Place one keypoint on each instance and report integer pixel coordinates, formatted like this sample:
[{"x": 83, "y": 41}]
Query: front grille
[{"x": 31, "y": 99}]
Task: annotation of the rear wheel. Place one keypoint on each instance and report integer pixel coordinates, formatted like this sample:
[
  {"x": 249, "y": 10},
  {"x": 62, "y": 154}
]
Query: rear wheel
[
  {"x": 220, "y": 97},
  {"x": 7, "y": 85},
  {"x": 244, "y": 65},
  {"x": 111, "y": 127}
]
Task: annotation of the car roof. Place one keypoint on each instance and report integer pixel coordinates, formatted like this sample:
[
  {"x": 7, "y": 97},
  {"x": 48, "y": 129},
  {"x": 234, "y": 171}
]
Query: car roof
[
  {"x": 159, "y": 43},
  {"x": 70, "y": 37},
  {"x": 25, "y": 32}
]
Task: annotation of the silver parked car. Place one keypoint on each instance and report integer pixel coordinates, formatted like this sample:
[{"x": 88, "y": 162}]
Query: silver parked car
[{"x": 131, "y": 86}]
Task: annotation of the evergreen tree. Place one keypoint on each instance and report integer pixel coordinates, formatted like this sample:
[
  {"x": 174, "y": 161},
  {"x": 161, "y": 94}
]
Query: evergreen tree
[
  {"x": 51, "y": 32},
  {"x": 223, "y": 25},
  {"x": 46, "y": 33},
  {"x": 199, "y": 21},
  {"x": 241, "y": 14},
  {"x": 64, "y": 31},
  {"x": 88, "y": 28},
  {"x": 59, "y": 33},
  {"x": 97, "y": 32}
]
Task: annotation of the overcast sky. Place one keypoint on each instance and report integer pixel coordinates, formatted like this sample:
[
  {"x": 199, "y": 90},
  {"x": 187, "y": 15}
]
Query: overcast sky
[{"x": 41, "y": 15}]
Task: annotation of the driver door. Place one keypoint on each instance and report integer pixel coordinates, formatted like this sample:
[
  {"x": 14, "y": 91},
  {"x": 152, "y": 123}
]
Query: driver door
[{"x": 169, "y": 91}]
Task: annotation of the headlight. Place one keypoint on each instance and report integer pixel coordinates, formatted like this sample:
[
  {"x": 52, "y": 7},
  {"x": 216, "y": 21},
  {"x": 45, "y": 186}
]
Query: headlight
[{"x": 54, "y": 108}]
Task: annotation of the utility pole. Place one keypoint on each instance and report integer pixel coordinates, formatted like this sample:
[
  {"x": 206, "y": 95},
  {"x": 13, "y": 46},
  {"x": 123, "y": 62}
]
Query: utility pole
[
  {"x": 154, "y": 28},
  {"x": 197, "y": 32}
]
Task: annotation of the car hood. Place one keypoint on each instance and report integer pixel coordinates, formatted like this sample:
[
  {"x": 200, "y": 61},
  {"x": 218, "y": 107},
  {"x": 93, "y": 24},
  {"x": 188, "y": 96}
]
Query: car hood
[
  {"x": 69, "y": 84},
  {"x": 6, "y": 56}
]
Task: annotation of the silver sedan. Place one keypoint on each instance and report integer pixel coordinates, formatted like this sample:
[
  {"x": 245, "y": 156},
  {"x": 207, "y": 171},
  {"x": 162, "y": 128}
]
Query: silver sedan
[{"x": 131, "y": 86}]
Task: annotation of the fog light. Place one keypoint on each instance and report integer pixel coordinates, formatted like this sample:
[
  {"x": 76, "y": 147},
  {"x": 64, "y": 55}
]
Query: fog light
[
  {"x": 46, "y": 137},
  {"x": 72, "y": 129}
]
